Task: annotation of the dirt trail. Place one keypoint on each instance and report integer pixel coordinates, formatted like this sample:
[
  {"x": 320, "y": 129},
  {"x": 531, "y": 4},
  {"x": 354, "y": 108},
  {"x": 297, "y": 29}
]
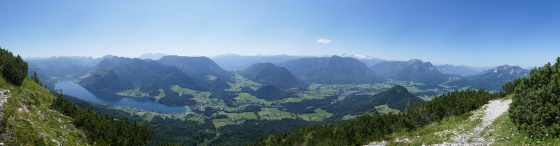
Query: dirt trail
[
  {"x": 3, "y": 99},
  {"x": 491, "y": 111}
]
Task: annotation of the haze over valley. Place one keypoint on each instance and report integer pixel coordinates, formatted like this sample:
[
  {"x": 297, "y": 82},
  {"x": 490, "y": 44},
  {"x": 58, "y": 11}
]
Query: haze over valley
[
  {"x": 292, "y": 90},
  {"x": 279, "y": 72}
]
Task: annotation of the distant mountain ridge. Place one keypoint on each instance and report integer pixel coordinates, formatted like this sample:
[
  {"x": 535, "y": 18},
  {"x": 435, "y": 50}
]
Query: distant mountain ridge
[
  {"x": 331, "y": 70},
  {"x": 492, "y": 79},
  {"x": 63, "y": 66},
  {"x": 120, "y": 74},
  {"x": 234, "y": 62},
  {"x": 412, "y": 70},
  {"x": 152, "y": 56},
  {"x": 368, "y": 60},
  {"x": 460, "y": 70},
  {"x": 201, "y": 67},
  {"x": 270, "y": 74}
]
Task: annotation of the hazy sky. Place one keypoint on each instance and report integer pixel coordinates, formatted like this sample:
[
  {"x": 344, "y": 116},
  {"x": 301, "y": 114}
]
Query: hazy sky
[{"x": 460, "y": 32}]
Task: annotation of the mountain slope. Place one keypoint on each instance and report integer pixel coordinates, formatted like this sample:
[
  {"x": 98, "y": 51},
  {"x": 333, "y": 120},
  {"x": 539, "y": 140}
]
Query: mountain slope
[
  {"x": 413, "y": 70},
  {"x": 118, "y": 73},
  {"x": 236, "y": 62},
  {"x": 144, "y": 78},
  {"x": 201, "y": 67},
  {"x": 478, "y": 127},
  {"x": 460, "y": 70},
  {"x": 270, "y": 74},
  {"x": 376, "y": 127},
  {"x": 63, "y": 67},
  {"x": 397, "y": 97},
  {"x": 28, "y": 120},
  {"x": 152, "y": 56},
  {"x": 331, "y": 70},
  {"x": 491, "y": 79}
]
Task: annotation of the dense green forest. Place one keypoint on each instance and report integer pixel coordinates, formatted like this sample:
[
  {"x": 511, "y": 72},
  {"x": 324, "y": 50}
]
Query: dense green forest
[
  {"x": 102, "y": 129},
  {"x": 535, "y": 109},
  {"x": 270, "y": 74},
  {"x": 397, "y": 97},
  {"x": 376, "y": 126},
  {"x": 12, "y": 68}
]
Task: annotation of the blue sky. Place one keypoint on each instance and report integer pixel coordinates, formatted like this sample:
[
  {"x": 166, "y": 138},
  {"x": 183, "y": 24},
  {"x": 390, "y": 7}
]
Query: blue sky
[{"x": 460, "y": 32}]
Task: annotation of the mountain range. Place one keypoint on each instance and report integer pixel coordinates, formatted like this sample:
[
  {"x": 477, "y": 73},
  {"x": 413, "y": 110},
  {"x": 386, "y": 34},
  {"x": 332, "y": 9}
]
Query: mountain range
[
  {"x": 201, "y": 67},
  {"x": 491, "y": 79},
  {"x": 413, "y": 70},
  {"x": 270, "y": 74},
  {"x": 64, "y": 67},
  {"x": 285, "y": 71},
  {"x": 152, "y": 56},
  {"x": 234, "y": 62},
  {"x": 460, "y": 70},
  {"x": 140, "y": 78},
  {"x": 282, "y": 93},
  {"x": 331, "y": 70}
]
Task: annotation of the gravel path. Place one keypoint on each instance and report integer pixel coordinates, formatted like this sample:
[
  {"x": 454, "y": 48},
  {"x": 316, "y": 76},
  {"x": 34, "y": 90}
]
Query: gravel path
[
  {"x": 3, "y": 99},
  {"x": 491, "y": 111}
]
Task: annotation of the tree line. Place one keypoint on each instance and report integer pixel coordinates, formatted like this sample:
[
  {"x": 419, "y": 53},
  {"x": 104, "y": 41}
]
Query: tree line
[
  {"x": 12, "y": 68},
  {"x": 102, "y": 129},
  {"x": 535, "y": 109},
  {"x": 376, "y": 126}
]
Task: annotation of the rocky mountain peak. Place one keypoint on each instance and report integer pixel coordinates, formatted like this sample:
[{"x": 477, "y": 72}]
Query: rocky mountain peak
[{"x": 506, "y": 69}]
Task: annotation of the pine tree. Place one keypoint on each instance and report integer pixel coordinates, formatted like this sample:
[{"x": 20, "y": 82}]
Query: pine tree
[
  {"x": 536, "y": 99},
  {"x": 35, "y": 78},
  {"x": 13, "y": 69}
]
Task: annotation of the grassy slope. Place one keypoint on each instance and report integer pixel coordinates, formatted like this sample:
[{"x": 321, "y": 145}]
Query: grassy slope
[
  {"x": 30, "y": 121},
  {"x": 505, "y": 133},
  {"x": 502, "y": 130}
]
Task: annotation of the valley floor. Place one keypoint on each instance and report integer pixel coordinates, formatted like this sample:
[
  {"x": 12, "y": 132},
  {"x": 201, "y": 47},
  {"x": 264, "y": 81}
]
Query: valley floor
[{"x": 477, "y": 129}]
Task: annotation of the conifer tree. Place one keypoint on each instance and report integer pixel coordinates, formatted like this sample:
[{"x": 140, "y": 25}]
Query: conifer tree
[
  {"x": 13, "y": 69},
  {"x": 35, "y": 78},
  {"x": 536, "y": 100}
]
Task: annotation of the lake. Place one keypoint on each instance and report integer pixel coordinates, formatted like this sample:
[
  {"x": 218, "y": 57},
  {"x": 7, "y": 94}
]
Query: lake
[{"x": 70, "y": 88}]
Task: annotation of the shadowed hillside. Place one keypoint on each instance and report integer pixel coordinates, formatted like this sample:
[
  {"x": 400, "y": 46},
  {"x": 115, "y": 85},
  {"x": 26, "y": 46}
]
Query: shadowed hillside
[{"x": 331, "y": 70}]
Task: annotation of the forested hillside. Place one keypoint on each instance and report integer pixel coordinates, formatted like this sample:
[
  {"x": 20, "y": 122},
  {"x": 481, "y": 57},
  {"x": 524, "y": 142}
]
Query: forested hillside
[
  {"x": 397, "y": 97},
  {"x": 201, "y": 67},
  {"x": 331, "y": 70},
  {"x": 270, "y": 74},
  {"x": 413, "y": 70},
  {"x": 141, "y": 78},
  {"x": 377, "y": 126},
  {"x": 533, "y": 118},
  {"x": 31, "y": 115}
]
